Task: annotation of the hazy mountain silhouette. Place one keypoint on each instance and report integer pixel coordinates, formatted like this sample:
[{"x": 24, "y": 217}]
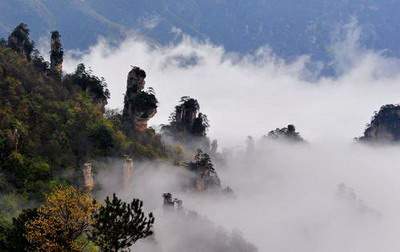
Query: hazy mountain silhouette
[{"x": 290, "y": 27}]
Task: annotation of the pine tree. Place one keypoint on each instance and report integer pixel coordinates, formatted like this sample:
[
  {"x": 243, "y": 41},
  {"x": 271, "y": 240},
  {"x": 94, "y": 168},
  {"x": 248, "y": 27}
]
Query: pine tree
[{"x": 118, "y": 225}]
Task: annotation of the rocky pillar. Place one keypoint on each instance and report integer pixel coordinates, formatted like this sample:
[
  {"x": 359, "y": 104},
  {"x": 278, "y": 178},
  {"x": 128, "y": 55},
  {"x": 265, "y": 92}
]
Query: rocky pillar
[
  {"x": 169, "y": 203},
  {"x": 88, "y": 181},
  {"x": 200, "y": 184},
  {"x": 56, "y": 54},
  {"x": 127, "y": 173},
  {"x": 139, "y": 106}
]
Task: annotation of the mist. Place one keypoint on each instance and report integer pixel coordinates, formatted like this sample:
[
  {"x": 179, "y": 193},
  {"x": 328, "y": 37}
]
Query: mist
[{"x": 330, "y": 194}]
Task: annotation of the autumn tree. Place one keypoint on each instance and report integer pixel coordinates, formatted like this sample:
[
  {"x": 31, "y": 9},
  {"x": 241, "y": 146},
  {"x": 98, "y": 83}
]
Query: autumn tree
[
  {"x": 65, "y": 215},
  {"x": 118, "y": 225}
]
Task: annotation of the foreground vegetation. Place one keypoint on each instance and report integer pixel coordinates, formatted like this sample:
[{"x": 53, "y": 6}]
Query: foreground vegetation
[
  {"x": 50, "y": 125},
  {"x": 71, "y": 220}
]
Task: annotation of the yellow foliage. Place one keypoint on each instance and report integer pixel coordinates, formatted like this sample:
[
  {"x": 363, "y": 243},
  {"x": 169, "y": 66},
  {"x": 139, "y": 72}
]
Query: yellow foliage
[{"x": 65, "y": 215}]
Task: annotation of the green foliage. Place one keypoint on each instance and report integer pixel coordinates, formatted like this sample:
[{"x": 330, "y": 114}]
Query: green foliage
[
  {"x": 38, "y": 61},
  {"x": 203, "y": 168},
  {"x": 96, "y": 87},
  {"x": 185, "y": 119},
  {"x": 200, "y": 125},
  {"x": 103, "y": 139},
  {"x": 187, "y": 126},
  {"x": 16, "y": 235},
  {"x": 10, "y": 204},
  {"x": 202, "y": 161},
  {"x": 45, "y": 127},
  {"x": 5, "y": 226},
  {"x": 50, "y": 126},
  {"x": 115, "y": 117},
  {"x": 118, "y": 225},
  {"x": 145, "y": 101}
]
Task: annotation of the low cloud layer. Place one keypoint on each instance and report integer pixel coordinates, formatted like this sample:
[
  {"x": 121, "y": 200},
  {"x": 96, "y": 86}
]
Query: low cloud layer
[
  {"x": 252, "y": 94},
  {"x": 327, "y": 195}
]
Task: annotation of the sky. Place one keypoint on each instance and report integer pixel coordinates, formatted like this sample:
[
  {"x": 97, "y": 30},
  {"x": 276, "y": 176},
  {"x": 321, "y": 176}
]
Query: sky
[{"x": 329, "y": 194}]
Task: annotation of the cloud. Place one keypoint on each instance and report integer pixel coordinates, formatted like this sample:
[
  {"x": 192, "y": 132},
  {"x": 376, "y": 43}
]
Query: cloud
[
  {"x": 289, "y": 198},
  {"x": 252, "y": 94}
]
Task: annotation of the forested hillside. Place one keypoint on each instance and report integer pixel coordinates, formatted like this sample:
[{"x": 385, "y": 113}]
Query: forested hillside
[{"x": 51, "y": 125}]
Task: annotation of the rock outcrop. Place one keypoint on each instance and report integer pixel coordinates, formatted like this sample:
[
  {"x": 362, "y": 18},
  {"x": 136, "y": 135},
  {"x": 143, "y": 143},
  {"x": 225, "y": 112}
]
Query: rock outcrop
[
  {"x": 187, "y": 118},
  {"x": 139, "y": 106},
  {"x": 188, "y": 126},
  {"x": 171, "y": 203},
  {"x": 206, "y": 178},
  {"x": 384, "y": 126},
  {"x": 288, "y": 133}
]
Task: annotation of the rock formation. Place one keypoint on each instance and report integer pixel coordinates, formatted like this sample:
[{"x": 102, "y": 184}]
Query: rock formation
[
  {"x": 168, "y": 201},
  {"x": 188, "y": 126},
  {"x": 214, "y": 147},
  {"x": 139, "y": 106},
  {"x": 20, "y": 42},
  {"x": 188, "y": 119},
  {"x": 13, "y": 137},
  {"x": 288, "y": 133},
  {"x": 127, "y": 172},
  {"x": 171, "y": 203},
  {"x": 206, "y": 178},
  {"x": 56, "y": 54},
  {"x": 88, "y": 181},
  {"x": 384, "y": 126}
]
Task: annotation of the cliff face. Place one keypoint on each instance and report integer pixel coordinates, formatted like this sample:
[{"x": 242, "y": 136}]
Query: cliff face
[{"x": 139, "y": 106}]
